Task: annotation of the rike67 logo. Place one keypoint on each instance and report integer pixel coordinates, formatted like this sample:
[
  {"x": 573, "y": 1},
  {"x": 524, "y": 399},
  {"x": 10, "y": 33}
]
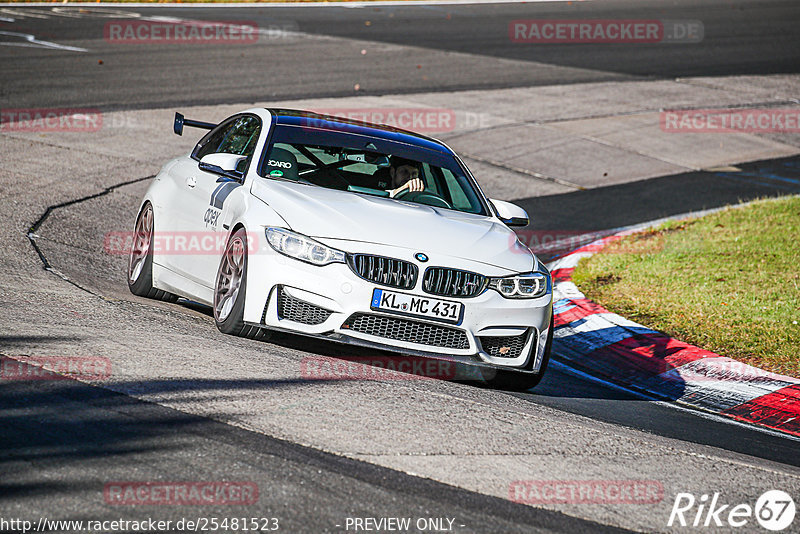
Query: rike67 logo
[{"x": 774, "y": 510}]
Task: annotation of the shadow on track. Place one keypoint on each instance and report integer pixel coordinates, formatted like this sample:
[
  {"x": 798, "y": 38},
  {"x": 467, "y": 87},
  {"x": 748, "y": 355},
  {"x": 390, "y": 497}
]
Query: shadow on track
[
  {"x": 61, "y": 441},
  {"x": 359, "y": 363}
]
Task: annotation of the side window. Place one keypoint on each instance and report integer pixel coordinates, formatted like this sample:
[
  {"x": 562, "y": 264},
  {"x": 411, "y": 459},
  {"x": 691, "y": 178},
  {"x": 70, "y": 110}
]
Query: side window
[
  {"x": 211, "y": 141},
  {"x": 237, "y": 136},
  {"x": 241, "y": 138}
]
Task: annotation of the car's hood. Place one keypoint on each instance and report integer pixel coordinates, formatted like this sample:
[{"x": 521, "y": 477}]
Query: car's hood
[{"x": 327, "y": 213}]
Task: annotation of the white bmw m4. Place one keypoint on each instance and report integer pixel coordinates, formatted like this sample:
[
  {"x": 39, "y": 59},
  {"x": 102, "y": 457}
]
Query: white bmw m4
[{"x": 352, "y": 232}]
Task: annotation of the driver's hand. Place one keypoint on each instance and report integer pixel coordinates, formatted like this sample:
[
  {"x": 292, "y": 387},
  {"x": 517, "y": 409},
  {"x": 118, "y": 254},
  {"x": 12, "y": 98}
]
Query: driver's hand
[{"x": 415, "y": 185}]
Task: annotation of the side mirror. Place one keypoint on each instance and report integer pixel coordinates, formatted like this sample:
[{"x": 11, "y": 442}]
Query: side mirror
[
  {"x": 510, "y": 214},
  {"x": 223, "y": 164}
]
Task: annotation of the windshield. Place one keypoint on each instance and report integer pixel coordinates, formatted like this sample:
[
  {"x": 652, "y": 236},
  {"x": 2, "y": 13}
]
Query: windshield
[{"x": 368, "y": 165}]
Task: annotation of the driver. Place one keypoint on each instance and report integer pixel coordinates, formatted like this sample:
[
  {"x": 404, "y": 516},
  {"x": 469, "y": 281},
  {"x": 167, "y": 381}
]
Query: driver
[{"x": 404, "y": 174}]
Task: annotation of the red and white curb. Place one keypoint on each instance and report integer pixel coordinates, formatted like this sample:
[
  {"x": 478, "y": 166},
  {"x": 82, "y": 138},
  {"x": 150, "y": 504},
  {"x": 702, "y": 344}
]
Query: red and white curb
[{"x": 590, "y": 338}]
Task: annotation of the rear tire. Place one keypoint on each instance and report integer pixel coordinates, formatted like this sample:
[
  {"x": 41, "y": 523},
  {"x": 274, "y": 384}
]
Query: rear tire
[
  {"x": 230, "y": 290},
  {"x": 515, "y": 380},
  {"x": 140, "y": 262}
]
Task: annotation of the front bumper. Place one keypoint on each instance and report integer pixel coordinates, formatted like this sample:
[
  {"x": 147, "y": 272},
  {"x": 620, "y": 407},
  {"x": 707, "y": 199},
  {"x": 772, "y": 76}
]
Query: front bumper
[{"x": 333, "y": 302}]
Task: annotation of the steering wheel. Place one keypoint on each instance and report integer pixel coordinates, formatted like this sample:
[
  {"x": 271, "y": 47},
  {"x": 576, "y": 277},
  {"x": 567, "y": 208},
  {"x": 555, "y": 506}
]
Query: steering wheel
[{"x": 423, "y": 197}]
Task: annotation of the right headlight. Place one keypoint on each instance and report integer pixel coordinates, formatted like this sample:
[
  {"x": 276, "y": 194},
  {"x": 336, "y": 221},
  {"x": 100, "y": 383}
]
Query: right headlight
[
  {"x": 521, "y": 286},
  {"x": 302, "y": 247}
]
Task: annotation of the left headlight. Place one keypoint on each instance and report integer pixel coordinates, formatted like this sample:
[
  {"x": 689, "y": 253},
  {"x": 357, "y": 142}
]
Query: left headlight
[
  {"x": 302, "y": 248},
  {"x": 521, "y": 286}
]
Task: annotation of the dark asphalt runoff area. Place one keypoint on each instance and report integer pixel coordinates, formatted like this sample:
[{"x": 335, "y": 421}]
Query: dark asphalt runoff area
[{"x": 53, "y": 430}]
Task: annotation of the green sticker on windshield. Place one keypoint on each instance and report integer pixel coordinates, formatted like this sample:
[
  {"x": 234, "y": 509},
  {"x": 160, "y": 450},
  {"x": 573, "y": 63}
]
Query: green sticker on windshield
[{"x": 276, "y": 172}]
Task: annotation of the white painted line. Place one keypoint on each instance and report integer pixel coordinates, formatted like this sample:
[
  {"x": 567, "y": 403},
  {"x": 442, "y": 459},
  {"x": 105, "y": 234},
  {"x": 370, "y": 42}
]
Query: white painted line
[
  {"x": 75, "y": 13},
  {"x": 596, "y": 323},
  {"x": 690, "y": 409},
  {"x": 571, "y": 260},
  {"x": 32, "y": 42},
  {"x": 725, "y": 394},
  {"x": 723, "y": 368},
  {"x": 566, "y": 290},
  {"x": 599, "y": 330},
  {"x": 23, "y": 14}
]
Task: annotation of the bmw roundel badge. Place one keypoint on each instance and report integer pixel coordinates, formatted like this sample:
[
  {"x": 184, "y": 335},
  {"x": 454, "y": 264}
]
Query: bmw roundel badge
[{"x": 421, "y": 257}]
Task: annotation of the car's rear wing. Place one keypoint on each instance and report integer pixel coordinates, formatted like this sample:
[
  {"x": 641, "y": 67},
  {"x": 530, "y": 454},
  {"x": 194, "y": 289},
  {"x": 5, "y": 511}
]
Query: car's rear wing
[{"x": 180, "y": 122}]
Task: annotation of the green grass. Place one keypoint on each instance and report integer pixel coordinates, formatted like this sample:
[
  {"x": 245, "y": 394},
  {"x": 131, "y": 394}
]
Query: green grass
[{"x": 728, "y": 282}]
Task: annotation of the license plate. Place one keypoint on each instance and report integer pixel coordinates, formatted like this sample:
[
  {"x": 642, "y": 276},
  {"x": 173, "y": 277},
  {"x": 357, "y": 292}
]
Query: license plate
[{"x": 416, "y": 306}]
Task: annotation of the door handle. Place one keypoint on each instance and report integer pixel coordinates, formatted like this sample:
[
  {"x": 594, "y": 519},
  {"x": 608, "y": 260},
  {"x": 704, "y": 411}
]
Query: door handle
[{"x": 191, "y": 181}]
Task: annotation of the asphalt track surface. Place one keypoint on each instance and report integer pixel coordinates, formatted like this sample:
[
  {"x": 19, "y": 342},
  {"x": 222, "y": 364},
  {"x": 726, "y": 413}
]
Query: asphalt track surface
[
  {"x": 457, "y": 47},
  {"x": 464, "y": 47},
  {"x": 309, "y": 490}
]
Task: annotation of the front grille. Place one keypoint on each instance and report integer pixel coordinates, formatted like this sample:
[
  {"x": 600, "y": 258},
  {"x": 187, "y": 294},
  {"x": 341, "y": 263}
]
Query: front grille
[
  {"x": 453, "y": 282},
  {"x": 298, "y": 310},
  {"x": 504, "y": 346},
  {"x": 385, "y": 271},
  {"x": 409, "y": 331}
]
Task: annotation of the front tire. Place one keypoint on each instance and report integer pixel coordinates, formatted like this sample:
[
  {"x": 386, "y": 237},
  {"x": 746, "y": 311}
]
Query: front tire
[
  {"x": 140, "y": 262},
  {"x": 230, "y": 290},
  {"x": 516, "y": 381}
]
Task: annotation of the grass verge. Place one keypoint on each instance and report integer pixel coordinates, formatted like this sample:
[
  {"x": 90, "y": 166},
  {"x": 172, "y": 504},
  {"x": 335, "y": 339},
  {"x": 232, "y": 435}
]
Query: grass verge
[{"x": 728, "y": 282}]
